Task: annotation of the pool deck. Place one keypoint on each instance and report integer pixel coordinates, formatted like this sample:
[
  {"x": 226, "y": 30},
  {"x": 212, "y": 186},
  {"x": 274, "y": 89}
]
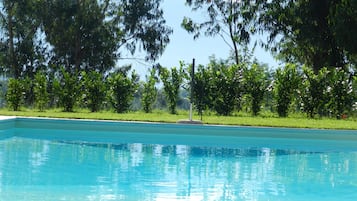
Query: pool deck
[{"x": 7, "y": 117}]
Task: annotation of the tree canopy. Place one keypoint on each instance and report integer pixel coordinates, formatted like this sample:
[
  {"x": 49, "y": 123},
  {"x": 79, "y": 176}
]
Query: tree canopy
[
  {"x": 232, "y": 20},
  {"x": 78, "y": 34},
  {"x": 316, "y": 33}
]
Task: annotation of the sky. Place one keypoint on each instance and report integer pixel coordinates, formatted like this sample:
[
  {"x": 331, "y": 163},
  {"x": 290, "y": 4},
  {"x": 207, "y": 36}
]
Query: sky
[{"x": 183, "y": 47}]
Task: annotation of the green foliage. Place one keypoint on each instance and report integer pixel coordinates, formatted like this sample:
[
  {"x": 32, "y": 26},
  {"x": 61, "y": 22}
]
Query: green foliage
[
  {"x": 330, "y": 92},
  {"x": 28, "y": 86},
  {"x": 315, "y": 33},
  {"x": 15, "y": 93},
  {"x": 226, "y": 91},
  {"x": 20, "y": 49},
  {"x": 89, "y": 35},
  {"x": 68, "y": 88},
  {"x": 94, "y": 90},
  {"x": 81, "y": 36},
  {"x": 121, "y": 90},
  {"x": 219, "y": 87},
  {"x": 53, "y": 85},
  {"x": 40, "y": 91},
  {"x": 285, "y": 85},
  {"x": 343, "y": 22},
  {"x": 143, "y": 23},
  {"x": 149, "y": 92},
  {"x": 201, "y": 90},
  {"x": 255, "y": 84},
  {"x": 341, "y": 92},
  {"x": 232, "y": 20},
  {"x": 172, "y": 80},
  {"x": 314, "y": 92}
]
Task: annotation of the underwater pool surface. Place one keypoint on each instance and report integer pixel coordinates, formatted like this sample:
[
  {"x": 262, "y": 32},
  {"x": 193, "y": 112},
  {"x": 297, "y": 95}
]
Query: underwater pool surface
[{"x": 44, "y": 159}]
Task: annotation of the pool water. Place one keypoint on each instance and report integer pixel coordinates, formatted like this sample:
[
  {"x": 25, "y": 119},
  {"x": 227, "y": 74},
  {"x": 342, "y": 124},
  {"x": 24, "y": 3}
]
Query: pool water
[{"x": 53, "y": 164}]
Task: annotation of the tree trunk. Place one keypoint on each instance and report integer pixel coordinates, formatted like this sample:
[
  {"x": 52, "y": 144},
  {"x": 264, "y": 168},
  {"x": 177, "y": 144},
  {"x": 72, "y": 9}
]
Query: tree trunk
[
  {"x": 236, "y": 53},
  {"x": 77, "y": 50},
  {"x": 13, "y": 66}
]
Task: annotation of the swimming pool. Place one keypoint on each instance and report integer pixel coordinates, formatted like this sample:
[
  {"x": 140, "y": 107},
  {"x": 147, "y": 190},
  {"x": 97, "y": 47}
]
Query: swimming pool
[{"x": 48, "y": 159}]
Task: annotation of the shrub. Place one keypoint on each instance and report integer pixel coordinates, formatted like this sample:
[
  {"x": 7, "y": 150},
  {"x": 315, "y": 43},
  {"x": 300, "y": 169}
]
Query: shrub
[
  {"x": 226, "y": 83},
  {"x": 28, "y": 91},
  {"x": 285, "y": 84},
  {"x": 172, "y": 80},
  {"x": 121, "y": 90},
  {"x": 40, "y": 91},
  {"x": 149, "y": 93},
  {"x": 314, "y": 92},
  {"x": 341, "y": 92},
  {"x": 68, "y": 88},
  {"x": 94, "y": 90},
  {"x": 201, "y": 90},
  {"x": 15, "y": 94},
  {"x": 255, "y": 82}
]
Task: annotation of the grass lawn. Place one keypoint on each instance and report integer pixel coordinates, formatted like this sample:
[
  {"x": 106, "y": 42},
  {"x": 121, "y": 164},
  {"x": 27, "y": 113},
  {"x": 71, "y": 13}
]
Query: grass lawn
[{"x": 163, "y": 116}]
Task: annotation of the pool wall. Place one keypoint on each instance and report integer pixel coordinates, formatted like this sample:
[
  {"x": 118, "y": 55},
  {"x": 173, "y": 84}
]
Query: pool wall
[
  {"x": 156, "y": 133},
  {"x": 7, "y": 127}
]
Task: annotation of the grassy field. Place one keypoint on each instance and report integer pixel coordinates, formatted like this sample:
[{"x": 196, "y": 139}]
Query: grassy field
[{"x": 297, "y": 121}]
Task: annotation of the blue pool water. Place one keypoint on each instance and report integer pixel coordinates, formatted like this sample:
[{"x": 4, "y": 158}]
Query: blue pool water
[{"x": 85, "y": 160}]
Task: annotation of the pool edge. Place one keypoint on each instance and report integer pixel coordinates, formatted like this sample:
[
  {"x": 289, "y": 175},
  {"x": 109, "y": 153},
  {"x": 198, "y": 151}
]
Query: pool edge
[{"x": 178, "y": 129}]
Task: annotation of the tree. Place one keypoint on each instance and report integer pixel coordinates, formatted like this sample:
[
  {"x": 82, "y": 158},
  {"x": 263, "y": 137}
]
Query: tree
[
  {"x": 142, "y": 22},
  {"x": 80, "y": 33},
  {"x": 232, "y": 20},
  {"x": 89, "y": 34},
  {"x": 40, "y": 91},
  {"x": 341, "y": 92},
  {"x": 314, "y": 92},
  {"x": 316, "y": 33},
  {"x": 255, "y": 84},
  {"x": 201, "y": 90},
  {"x": 121, "y": 90},
  {"x": 20, "y": 49},
  {"x": 94, "y": 90},
  {"x": 68, "y": 89},
  {"x": 343, "y": 22},
  {"x": 172, "y": 80},
  {"x": 14, "y": 95},
  {"x": 285, "y": 85},
  {"x": 226, "y": 83},
  {"x": 149, "y": 91},
  {"x": 28, "y": 87}
]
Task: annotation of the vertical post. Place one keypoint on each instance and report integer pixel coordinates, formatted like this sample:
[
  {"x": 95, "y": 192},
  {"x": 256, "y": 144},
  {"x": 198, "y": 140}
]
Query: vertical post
[{"x": 192, "y": 85}]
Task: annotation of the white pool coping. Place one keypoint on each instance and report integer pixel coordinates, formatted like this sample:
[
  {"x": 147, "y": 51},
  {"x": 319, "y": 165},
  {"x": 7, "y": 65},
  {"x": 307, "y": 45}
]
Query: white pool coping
[{"x": 7, "y": 117}]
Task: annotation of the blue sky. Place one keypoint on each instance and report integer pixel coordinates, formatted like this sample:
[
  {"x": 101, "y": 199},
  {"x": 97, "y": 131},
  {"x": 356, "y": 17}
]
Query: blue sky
[{"x": 182, "y": 47}]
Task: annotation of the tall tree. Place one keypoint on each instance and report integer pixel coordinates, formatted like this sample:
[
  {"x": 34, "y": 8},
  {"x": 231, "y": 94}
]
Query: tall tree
[
  {"x": 89, "y": 34},
  {"x": 20, "y": 51},
  {"x": 231, "y": 19},
  {"x": 81, "y": 35},
  {"x": 143, "y": 25},
  {"x": 316, "y": 33}
]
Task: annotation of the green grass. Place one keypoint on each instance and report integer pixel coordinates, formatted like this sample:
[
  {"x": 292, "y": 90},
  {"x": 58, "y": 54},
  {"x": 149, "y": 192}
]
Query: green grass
[{"x": 242, "y": 119}]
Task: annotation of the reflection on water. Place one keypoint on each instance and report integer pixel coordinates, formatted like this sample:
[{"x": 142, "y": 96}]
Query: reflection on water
[{"x": 59, "y": 170}]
